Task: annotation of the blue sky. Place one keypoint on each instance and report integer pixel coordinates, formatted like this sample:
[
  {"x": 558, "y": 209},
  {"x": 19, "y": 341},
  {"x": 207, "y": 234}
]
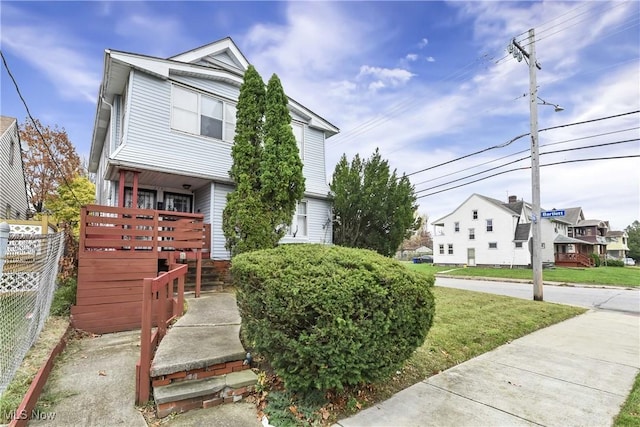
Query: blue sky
[{"x": 426, "y": 82}]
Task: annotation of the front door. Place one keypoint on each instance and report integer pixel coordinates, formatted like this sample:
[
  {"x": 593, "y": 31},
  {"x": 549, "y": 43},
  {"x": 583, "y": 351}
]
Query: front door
[{"x": 471, "y": 257}]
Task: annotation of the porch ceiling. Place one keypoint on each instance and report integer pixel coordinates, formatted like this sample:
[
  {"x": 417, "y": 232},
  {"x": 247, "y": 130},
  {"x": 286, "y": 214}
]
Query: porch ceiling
[{"x": 148, "y": 178}]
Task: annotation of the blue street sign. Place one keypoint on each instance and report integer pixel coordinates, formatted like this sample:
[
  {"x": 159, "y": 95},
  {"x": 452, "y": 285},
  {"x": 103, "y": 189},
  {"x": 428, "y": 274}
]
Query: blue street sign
[{"x": 550, "y": 214}]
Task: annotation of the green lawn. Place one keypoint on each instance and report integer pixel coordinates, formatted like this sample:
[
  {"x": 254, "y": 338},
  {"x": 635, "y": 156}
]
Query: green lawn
[{"x": 612, "y": 276}]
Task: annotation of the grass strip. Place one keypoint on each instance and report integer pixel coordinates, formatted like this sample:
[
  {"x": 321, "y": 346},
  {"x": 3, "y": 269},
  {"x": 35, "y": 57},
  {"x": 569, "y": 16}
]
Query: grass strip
[
  {"x": 629, "y": 415},
  {"x": 611, "y": 276},
  {"x": 49, "y": 337}
]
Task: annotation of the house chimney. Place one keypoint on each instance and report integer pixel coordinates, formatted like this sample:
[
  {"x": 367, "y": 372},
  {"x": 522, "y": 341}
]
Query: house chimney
[{"x": 513, "y": 199}]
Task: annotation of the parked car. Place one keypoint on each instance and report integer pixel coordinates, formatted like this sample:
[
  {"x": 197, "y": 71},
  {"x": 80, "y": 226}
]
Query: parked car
[
  {"x": 423, "y": 259},
  {"x": 629, "y": 261}
]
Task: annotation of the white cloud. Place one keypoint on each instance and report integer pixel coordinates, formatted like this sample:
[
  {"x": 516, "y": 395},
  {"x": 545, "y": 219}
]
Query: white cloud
[
  {"x": 430, "y": 59},
  {"x": 411, "y": 57},
  {"x": 48, "y": 49},
  {"x": 393, "y": 77},
  {"x": 423, "y": 43}
]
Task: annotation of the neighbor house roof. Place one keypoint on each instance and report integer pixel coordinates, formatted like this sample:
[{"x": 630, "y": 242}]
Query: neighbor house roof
[
  {"x": 5, "y": 123},
  {"x": 561, "y": 239},
  {"x": 522, "y": 232}
]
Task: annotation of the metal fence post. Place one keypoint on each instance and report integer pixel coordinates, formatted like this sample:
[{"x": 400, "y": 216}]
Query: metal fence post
[{"x": 4, "y": 242}]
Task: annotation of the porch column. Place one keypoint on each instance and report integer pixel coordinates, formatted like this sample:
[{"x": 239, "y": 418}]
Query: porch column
[
  {"x": 134, "y": 195},
  {"x": 123, "y": 174}
]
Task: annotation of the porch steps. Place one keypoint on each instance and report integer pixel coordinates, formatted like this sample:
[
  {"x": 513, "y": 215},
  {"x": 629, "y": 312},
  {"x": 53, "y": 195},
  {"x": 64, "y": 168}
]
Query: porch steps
[
  {"x": 200, "y": 362},
  {"x": 215, "y": 275}
]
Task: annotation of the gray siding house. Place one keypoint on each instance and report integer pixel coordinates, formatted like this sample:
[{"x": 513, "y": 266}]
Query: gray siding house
[
  {"x": 13, "y": 190},
  {"x": 167, "y": 126}
]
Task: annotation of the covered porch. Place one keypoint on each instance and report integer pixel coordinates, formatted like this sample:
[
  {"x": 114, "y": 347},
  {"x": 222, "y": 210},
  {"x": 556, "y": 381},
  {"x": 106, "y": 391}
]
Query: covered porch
[{"x": 570, "y": 252}]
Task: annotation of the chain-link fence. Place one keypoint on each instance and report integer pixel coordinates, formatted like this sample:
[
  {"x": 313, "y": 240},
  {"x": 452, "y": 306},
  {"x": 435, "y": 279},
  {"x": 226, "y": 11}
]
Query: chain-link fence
[{"x": 28, "y": 271}]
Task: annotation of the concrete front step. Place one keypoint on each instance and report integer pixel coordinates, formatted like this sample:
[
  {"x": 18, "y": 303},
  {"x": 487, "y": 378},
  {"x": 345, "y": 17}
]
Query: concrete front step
[
  {"x": 208, "y": 334},
  {"x": 203, "y": 393}
]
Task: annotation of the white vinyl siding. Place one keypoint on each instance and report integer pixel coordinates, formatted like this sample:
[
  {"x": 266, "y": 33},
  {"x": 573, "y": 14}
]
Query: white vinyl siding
[
  {"x": 13, "y": 196},
  {"x": 218, "y": 251},
  {"x": 152, "y": 144}
]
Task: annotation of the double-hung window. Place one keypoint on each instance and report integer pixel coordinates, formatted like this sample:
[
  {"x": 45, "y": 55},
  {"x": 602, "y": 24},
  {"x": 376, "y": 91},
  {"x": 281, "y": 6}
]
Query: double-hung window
[
  {"x": 299, "y": 224},
  {"x": 298, "y": 133},
  {"x": 199, "y": 114},
  {"x": 472, "y": 234},
  {"x": 489, "y": 225}
]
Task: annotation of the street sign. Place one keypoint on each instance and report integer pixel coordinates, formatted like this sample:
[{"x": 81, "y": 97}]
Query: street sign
[{"x": 551, "y": 214}]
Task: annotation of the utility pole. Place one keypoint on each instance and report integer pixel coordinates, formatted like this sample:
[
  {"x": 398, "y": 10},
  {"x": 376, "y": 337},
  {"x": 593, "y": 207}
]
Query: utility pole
[{"x": 536, "y": 244}]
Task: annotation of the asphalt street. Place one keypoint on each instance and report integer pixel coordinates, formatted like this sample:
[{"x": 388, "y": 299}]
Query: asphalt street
[{"x": 602, "y": 298}]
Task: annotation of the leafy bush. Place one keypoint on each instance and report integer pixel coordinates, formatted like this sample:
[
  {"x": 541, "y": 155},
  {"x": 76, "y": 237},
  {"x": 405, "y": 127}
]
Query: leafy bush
[
  {"x": 595, "y": 258},
  {"x": 328, "y": 316},
  {"x": 64, "y": 297},
  {"x": 615, "y": 263}
]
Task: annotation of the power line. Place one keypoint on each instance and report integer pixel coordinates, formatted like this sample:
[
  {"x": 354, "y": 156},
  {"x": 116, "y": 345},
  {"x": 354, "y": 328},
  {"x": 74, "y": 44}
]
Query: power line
[
  {"x": 521, "y": 136},
  {"x": 527, "y": 157},
  {"x": 528, "y": 167},
  {"x": 524, "y": 151},
  {"x": 35, "y": 126}
]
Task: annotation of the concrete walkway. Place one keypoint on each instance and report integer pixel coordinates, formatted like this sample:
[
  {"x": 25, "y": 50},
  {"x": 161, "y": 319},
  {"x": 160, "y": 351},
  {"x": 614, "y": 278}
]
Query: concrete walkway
[
  {"x": 575, "y": 373},
  {"x": 95, "y": 380}
]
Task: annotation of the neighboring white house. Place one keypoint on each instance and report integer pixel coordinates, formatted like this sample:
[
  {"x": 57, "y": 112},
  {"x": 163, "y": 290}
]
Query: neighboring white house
[
  {"x": 13, "y": 191},
  {"x": 168, "y": 125},
  {"x": 487, "y": 231}
]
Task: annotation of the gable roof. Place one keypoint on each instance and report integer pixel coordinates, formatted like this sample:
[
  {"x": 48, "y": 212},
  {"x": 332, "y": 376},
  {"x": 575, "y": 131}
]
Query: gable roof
[
  {"x": 218, "y": 53},
  {"x": 510, "y": 208},
  {"x": 573, "y": 215}
]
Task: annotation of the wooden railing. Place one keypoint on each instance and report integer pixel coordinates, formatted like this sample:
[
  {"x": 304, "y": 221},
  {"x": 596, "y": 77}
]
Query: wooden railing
[
  {"x": 575, "y": 258},
  {"x": 107, "y": 228},
  {"x": 163, "y": 303}
]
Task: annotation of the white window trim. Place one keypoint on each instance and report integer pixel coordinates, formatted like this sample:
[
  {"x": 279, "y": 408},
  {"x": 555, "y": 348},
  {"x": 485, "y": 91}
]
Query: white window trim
[
  {"x": 493, "y": 243},
  {"x": 301, "y": 143},
  {"x": 294, "y": 220},
  {"x": 487, "y": 225},
  {"x": 199, "y": 94}
]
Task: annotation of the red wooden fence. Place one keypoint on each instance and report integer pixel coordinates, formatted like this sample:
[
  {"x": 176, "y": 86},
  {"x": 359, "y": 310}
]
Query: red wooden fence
[
  {"x": 118, "y": 248},
  {"x": 161, "y": 303}
]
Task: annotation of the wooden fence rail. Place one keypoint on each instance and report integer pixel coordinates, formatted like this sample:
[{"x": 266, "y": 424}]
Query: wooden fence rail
[{"x": 163, "y": 303}]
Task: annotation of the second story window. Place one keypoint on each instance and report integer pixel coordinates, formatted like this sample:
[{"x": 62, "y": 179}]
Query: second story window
[
  {"x": 12, "y": 153},
  {"x": 204, "y": 115},
  {"x": 456, "y": 227},
  {"x": 489, "y": 225},
  {"x": 472, "y": 234},
  {"x": 298, "y": 132},
  {"x": 474, "y": 214}
]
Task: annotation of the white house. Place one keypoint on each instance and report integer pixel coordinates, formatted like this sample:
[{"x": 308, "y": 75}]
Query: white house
[
  {"x": 487, "y": 231},
  {"x": 13, "y": 191},
  {"x": 167, "y": 126}
]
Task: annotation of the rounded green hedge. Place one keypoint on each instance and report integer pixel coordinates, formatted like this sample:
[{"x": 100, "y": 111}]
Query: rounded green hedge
[{"x": 329, "y": 316}]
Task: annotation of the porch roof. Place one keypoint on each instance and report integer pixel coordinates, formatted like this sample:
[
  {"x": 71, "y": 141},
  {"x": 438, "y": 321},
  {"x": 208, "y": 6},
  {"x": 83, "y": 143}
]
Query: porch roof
[{"x": 561, "y": 239}]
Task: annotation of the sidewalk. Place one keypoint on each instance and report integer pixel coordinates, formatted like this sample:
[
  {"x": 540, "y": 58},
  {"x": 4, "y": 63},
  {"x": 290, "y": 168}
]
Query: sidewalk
[{"x": 575, "y": 373}]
